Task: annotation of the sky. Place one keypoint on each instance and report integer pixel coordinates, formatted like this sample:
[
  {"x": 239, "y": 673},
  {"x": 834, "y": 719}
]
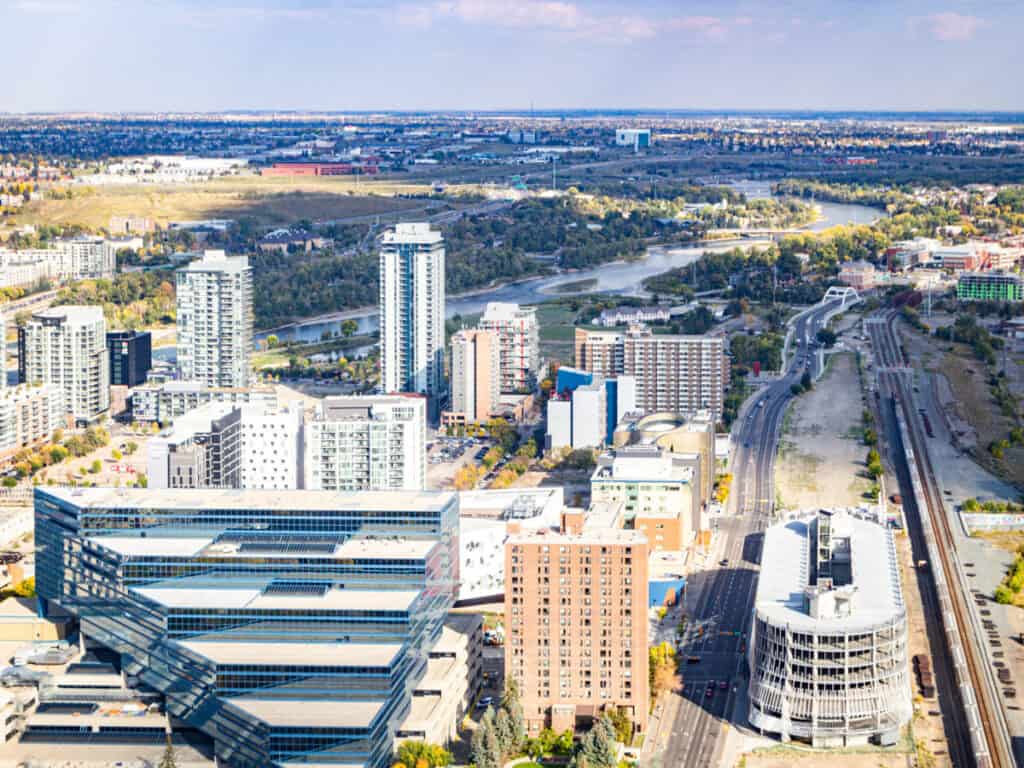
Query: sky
[{"x": 214, "y": 55}]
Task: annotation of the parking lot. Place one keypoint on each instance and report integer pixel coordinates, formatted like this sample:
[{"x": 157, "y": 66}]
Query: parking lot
[{"x": 447, "y": 455}]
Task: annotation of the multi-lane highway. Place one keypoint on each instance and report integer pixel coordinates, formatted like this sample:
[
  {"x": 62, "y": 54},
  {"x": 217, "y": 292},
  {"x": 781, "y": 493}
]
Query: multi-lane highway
[{"x": 712, "y": 654}]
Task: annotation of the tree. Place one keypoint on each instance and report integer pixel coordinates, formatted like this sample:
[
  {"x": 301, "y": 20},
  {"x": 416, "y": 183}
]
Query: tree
[
  {"x": 826, "y": 337},
  {"x": 349, "y": 328},
  {"x": 662, "y": 668},
  {"x": 511, "y": 706},
  {"x": 168, "y": 759},
  {"x": 597, "y": 747},
  {"x": 805, "y": 381},
  {"x": 95, "y": 467},
  {"x": 272, "y": 341},
  {"x": 131, "y": 447},
  {"x": 411, "y": 753},
  {"x": 26, "y": 587},
  {"x": 622, "y": 724},
  {"x": 484, "y": 750},
  {"x": 116, "y": 454},
  {"x": 503, "y": 730}
]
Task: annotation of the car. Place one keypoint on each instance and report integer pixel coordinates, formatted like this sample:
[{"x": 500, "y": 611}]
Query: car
[
  {"x": 723, "y": 562},
  {"x": 723, "y": 685},
  {"x": 710, "y": 691},
  {"x": 485, "y": 702}
]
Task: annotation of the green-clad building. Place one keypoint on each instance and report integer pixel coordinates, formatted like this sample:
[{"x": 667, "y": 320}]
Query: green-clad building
[{"x": 990, "y": 286}]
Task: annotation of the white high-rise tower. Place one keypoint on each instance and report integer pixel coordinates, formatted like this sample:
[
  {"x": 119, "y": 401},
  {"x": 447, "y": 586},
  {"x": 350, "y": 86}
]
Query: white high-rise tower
[
  {"x": 215, "y": 319},
  {"x": 412, "y": 311}
]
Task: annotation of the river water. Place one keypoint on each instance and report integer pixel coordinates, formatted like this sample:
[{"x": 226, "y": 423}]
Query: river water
[{"x": 622, "y": 278}]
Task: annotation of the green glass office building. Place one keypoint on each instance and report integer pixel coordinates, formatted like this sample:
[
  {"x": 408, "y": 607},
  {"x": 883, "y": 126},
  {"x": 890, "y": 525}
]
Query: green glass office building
[{"x": 990, "y": 286}]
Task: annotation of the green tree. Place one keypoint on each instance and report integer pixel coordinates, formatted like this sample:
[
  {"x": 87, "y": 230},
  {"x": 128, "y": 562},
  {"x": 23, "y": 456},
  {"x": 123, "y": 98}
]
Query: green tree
[
  {"x": 26, "y": 587},
  {"x": 597, "y": 747},
  {"x": 131, "y": 447},
  {"x": 349, "y": 328},
  {"x": 826, "y": 337},
  {"x": 805, "y": 381},
  {"x": 512, "y": 707},
  {"x": 272, "y": 341},
  {"x": 95, "y": 467},
  {"x": 484, "y": 750}
]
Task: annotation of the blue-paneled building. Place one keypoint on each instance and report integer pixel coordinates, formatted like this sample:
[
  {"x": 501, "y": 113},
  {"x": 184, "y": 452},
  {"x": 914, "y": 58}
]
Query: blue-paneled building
[{"x": 290, "y": 626}]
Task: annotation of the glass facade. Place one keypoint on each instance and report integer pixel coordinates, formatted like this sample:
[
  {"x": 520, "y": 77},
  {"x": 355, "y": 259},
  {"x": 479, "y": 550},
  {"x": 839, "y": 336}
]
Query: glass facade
[{"x": 290, "y": 626}]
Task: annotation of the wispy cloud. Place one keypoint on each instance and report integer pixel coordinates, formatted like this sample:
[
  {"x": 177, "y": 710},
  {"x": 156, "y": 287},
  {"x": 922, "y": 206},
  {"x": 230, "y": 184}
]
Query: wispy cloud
[
  {"x": 948, "y": 26},
  {"x": 562, "y": 16},
  {"x": 48, "y": 7}
]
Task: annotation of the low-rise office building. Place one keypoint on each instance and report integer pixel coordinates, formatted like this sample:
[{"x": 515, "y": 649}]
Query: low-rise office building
[
  {"x": 131, "y": 357},
  {"x": 990, "y": 286},
  {"x": 657, "y": 490},
  {"x": 828, "y": 650}
]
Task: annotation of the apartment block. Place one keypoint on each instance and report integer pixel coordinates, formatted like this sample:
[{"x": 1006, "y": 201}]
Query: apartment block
[
  {"x": 215, "y": 320},
  {"x": 673, "y": 373},
  {"x": 519, "y": 343},
  {"x": 367, "y": 443},
  {"x": 657, "y": 490},
  {"x": 475, "y": 374},
  {"x": 576, "y": 620},
  {"x": 412, "y": 301},
  {"x": 220, "y": 445},
  {"x": 168, "y": 401},
  {"x": 66, "y": 346},
  {"x": 85, "y": 257},
  {"x": 29, "y": 415}
]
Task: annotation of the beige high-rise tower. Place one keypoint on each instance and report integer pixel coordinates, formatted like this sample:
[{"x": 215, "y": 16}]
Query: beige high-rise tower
[{"x": 475, "y": 374}]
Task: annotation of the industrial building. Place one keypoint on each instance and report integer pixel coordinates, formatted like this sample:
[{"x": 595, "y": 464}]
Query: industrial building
[
  {"x": 828, "y": 651},
  {"x": 198, "y": 592}
]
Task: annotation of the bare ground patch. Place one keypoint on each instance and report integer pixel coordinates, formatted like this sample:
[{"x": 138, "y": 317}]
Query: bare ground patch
[{"x": 821, "y": 457}]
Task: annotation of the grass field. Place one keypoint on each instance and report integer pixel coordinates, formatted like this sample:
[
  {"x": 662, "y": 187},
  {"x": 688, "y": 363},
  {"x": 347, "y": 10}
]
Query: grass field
[{"x": 271, "y": 201}]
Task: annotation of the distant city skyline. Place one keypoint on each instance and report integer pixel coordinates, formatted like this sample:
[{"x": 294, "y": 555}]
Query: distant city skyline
[{"x": 216, "y": 55}]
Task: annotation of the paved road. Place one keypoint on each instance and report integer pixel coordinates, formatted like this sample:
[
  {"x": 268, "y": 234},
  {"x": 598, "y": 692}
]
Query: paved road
[{"x": 720, "y": 623}]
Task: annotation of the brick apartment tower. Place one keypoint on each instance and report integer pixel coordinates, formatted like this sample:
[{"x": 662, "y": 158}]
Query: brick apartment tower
[{"x": 576, "y": 622}]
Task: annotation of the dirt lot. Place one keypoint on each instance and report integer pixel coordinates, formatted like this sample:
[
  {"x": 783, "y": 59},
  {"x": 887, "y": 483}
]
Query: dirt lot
[
  {"x": 784, "y": 758},
  {"x": 270, "y": 201},
  {"x": 821, "y": 456},
  {"x": 972, "y": 400}
]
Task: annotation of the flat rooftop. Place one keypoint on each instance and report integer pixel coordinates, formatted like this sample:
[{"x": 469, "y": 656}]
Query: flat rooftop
[
  {"x": 332, "y": 600},
  {"x": 786, "y": 570},
  {"x": 321, "y": 713},
  {"x": 231, "y": 498},
  {"x": 298, "y": 654}
]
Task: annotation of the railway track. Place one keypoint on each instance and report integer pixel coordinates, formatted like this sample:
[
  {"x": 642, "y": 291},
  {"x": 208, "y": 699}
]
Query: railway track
[{"x": 982, "y": 724}]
